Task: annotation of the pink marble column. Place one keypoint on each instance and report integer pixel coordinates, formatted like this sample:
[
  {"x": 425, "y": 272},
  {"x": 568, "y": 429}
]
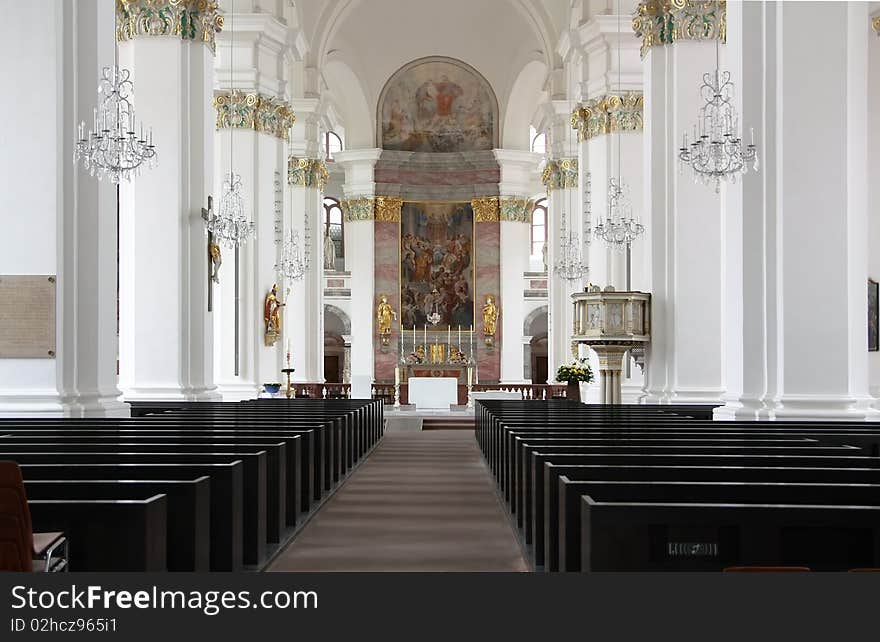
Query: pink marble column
[
  {"x": 387, "y": 281},
  {"x": 488, "y": 281}
]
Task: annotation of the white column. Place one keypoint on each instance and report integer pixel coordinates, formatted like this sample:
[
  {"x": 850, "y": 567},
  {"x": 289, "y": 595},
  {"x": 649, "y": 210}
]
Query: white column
[
  {"x": 874, "y": 185},
  {"x": 166, "y": 332},
  {"x": 70, "y": 227},
  {"x": 685, "y": 361},
  {"x": 359, "y": 192},
  {"x": 520, "y": 181}
]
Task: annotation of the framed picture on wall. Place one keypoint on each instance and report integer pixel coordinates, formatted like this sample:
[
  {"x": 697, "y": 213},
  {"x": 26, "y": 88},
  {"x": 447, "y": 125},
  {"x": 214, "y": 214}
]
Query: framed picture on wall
[{"x": 873, "y": 316}]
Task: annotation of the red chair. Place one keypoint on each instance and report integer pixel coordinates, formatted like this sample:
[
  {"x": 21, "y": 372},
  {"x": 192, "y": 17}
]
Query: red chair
[
  {"x": 20, "y": 548},
  {"x": 766, "y": 569}
]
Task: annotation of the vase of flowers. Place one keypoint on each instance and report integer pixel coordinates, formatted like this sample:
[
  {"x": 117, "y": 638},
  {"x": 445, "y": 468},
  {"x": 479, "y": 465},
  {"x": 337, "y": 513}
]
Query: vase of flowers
[{"x": 573, "y": 374}]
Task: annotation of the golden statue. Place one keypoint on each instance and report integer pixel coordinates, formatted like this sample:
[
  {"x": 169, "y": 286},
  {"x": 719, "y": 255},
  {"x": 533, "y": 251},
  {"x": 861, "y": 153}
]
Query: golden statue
[
  {"x": 490, "y": 316},
  {"x": 385, "y": 315},
  {"x": 216, "y": 261},
  {"x": 272, "y": 316}
]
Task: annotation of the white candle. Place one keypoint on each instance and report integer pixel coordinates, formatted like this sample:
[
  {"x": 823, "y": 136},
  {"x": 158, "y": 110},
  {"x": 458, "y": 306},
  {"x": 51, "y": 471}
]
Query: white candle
[
  {"x": 397, "y": 375},
  {"x": 426, "y": 336},
  {"x": 459, "y": 338},
  {"x": 470, "y": 376}
]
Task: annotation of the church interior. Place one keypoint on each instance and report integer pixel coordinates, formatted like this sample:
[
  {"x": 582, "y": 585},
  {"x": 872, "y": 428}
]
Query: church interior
[{"x": 495, "y": 285}]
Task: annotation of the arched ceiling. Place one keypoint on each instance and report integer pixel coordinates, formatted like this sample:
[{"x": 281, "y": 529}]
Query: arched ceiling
[{"x": 374, "y": 38}]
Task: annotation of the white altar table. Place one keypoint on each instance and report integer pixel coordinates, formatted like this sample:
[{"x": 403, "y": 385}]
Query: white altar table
[{"x": 433, "y": 392}]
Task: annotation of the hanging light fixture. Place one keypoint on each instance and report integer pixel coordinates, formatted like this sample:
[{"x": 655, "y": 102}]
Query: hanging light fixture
[
  {"x": 716, "y": 152},
  {"x": 230, "y": 226},
  {"x": 570, "y": 264},
  {"x": 620, "y": 227},
  {"x": 115, "y": 146},
  {"x": 294, "y": 263}
]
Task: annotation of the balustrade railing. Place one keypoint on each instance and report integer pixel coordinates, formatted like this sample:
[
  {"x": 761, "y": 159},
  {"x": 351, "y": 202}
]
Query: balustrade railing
[{"x": 385, "y": 391}]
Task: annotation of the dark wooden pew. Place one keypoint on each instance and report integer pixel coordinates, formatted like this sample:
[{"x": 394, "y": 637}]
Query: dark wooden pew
[
  {"x": 682, "y": 536},
  {"x": 254, "y": 481},
  {"x": 108, "y": 534},
  {"x": 187, "y": 518},
  {"x": 226, "y": 496}
]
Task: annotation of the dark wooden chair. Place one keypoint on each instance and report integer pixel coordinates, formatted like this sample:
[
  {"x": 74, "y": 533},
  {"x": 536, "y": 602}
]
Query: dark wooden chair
[{"x": 21, "y": 549}]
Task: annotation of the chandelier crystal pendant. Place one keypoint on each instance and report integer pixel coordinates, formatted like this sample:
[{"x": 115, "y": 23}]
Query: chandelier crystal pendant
[
  {"x": 620, "y": 228},
  {"x": 717, "y": 152},
  {"x": 115, "y": 147},
  {"x": 295, "y": 263},
  {"x": 230, "y": 226},
  {"x": 570, "y": 264}
]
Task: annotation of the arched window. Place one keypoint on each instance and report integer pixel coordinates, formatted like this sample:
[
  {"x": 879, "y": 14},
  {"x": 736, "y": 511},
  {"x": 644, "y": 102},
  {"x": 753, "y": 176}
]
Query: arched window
[
  {"x": 539, "y": 228},
  {"x": 333, "y": 144},
  {"x": 333, "y": 224},
  {"x": 538, "y": 141}
]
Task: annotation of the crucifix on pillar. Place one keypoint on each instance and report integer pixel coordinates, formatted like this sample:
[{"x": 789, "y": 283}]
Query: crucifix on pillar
[{"x": 215, "y": 258}]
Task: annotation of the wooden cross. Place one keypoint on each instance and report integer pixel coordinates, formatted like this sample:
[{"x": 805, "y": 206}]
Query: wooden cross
[{"x": 207, "y": 213}]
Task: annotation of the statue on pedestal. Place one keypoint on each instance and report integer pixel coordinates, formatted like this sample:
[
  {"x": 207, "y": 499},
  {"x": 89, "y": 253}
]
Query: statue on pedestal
[
  {"x": 272, "y": 316},
  {"x": 385, "y": 316},
  {"x": 329, "y": 253},
  {"x": 490, "y": 320}
]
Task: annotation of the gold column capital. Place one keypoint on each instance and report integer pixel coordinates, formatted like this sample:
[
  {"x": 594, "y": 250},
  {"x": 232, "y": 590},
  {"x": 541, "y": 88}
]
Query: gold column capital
[
  {"x": 195, "y": 20},
  {"x": 515, "y": 209},
  {"x": 610, "y": 113},
  {"x": 561, "y": 173},
  {"x": 264, "y": 114},
  {"x": 361, "y": 208},
  {"x": 387, "y": 209},
  {"x": 875, "y": 25},
  {"x": 486, "y": 210},
  {"x": 663, "y": 22},
  {"x": 307, "y": 172}
]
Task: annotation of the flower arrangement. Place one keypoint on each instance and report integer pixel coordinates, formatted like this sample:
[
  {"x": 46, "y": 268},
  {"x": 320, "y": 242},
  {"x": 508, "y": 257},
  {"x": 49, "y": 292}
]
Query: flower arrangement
[{"x": 575, "y": 372}]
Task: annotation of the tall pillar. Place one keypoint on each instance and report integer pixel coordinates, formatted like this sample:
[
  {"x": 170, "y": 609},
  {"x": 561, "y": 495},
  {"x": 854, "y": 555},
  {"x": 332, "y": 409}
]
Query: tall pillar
[
  {"x": 803, "y": 322},
  {"x": 304, "y": 323},
  {"x": 69, "y": 232},
  {"x": 166, "y": 331},
  {"x": 253, "y": 124},
  {"x": 686, "y": 233},
  {"x": 359, "y": 211},
  {"x": 519, "y": 184},
  {"x": 874, "y": 185}
]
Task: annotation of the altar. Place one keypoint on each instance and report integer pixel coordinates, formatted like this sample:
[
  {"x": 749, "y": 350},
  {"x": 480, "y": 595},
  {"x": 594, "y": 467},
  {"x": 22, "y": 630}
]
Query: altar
[{"x": 433, "y": 393}]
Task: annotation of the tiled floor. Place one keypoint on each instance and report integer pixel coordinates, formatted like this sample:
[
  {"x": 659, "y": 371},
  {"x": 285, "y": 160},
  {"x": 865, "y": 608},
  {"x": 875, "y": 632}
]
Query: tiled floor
[{"x": 423, "y": 501}]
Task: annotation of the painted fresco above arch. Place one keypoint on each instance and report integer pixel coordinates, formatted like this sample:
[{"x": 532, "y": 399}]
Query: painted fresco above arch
[{"x": 438, "y": 105}]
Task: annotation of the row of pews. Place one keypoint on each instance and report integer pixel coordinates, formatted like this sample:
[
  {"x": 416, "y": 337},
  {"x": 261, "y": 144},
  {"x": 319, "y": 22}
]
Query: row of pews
[
  {"x": 188, "y": 486},
  {"x": 664, "y": 488}
]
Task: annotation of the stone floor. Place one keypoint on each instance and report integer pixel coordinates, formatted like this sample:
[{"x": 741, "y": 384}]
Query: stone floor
[{"x": 423, "y": 501}]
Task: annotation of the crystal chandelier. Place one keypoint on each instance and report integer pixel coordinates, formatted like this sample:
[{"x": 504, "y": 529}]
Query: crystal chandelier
[
  {"x": 115, "y": 147},
  {"x": 570, "y": 263},
  {"x": 620, "y": 228},
  {"x": 717, "y": 152},
  {"x": 230, "y": 226},
  {"x": 294, "y": 264}
]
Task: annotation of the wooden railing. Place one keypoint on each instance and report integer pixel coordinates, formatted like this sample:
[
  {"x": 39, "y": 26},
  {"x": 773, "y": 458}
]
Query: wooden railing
[{"x": 385, "y": 391}]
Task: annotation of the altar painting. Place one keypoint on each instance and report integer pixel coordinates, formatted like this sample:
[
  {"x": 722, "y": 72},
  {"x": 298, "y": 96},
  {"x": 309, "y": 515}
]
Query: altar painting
[
  {"x": 436, "y": 254},
  {"x": 437, "y": 105}
]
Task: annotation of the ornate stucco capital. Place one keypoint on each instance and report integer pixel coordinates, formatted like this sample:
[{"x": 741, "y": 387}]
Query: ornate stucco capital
[
  {"x": 388, "y": 209},
  {"x": 608, "y": 114},
  {"x": 358, "y": 209},
  {"x": 663, "y": 22},
  {"x": 254, "y": 111},
  {"x": 486, "y": 210},
  {"x": 307, "y": 172},
  {"x": 561, "y": 173},
  {"x": 196, "y": 20},
  {"x": 515, "y": 209}
]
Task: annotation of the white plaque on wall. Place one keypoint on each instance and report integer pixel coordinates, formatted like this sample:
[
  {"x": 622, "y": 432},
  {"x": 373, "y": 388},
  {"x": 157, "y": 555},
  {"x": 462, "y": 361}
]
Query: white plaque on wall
[{"x": 27, "y": 317}]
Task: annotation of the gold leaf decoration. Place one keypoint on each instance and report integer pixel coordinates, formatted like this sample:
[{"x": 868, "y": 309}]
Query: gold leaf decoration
[{"x": 195, "y": 20}]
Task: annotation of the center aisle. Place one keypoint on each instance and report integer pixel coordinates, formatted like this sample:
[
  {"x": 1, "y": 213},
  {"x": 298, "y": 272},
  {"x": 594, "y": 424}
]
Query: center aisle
[{"x": 423, "y": 501}]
